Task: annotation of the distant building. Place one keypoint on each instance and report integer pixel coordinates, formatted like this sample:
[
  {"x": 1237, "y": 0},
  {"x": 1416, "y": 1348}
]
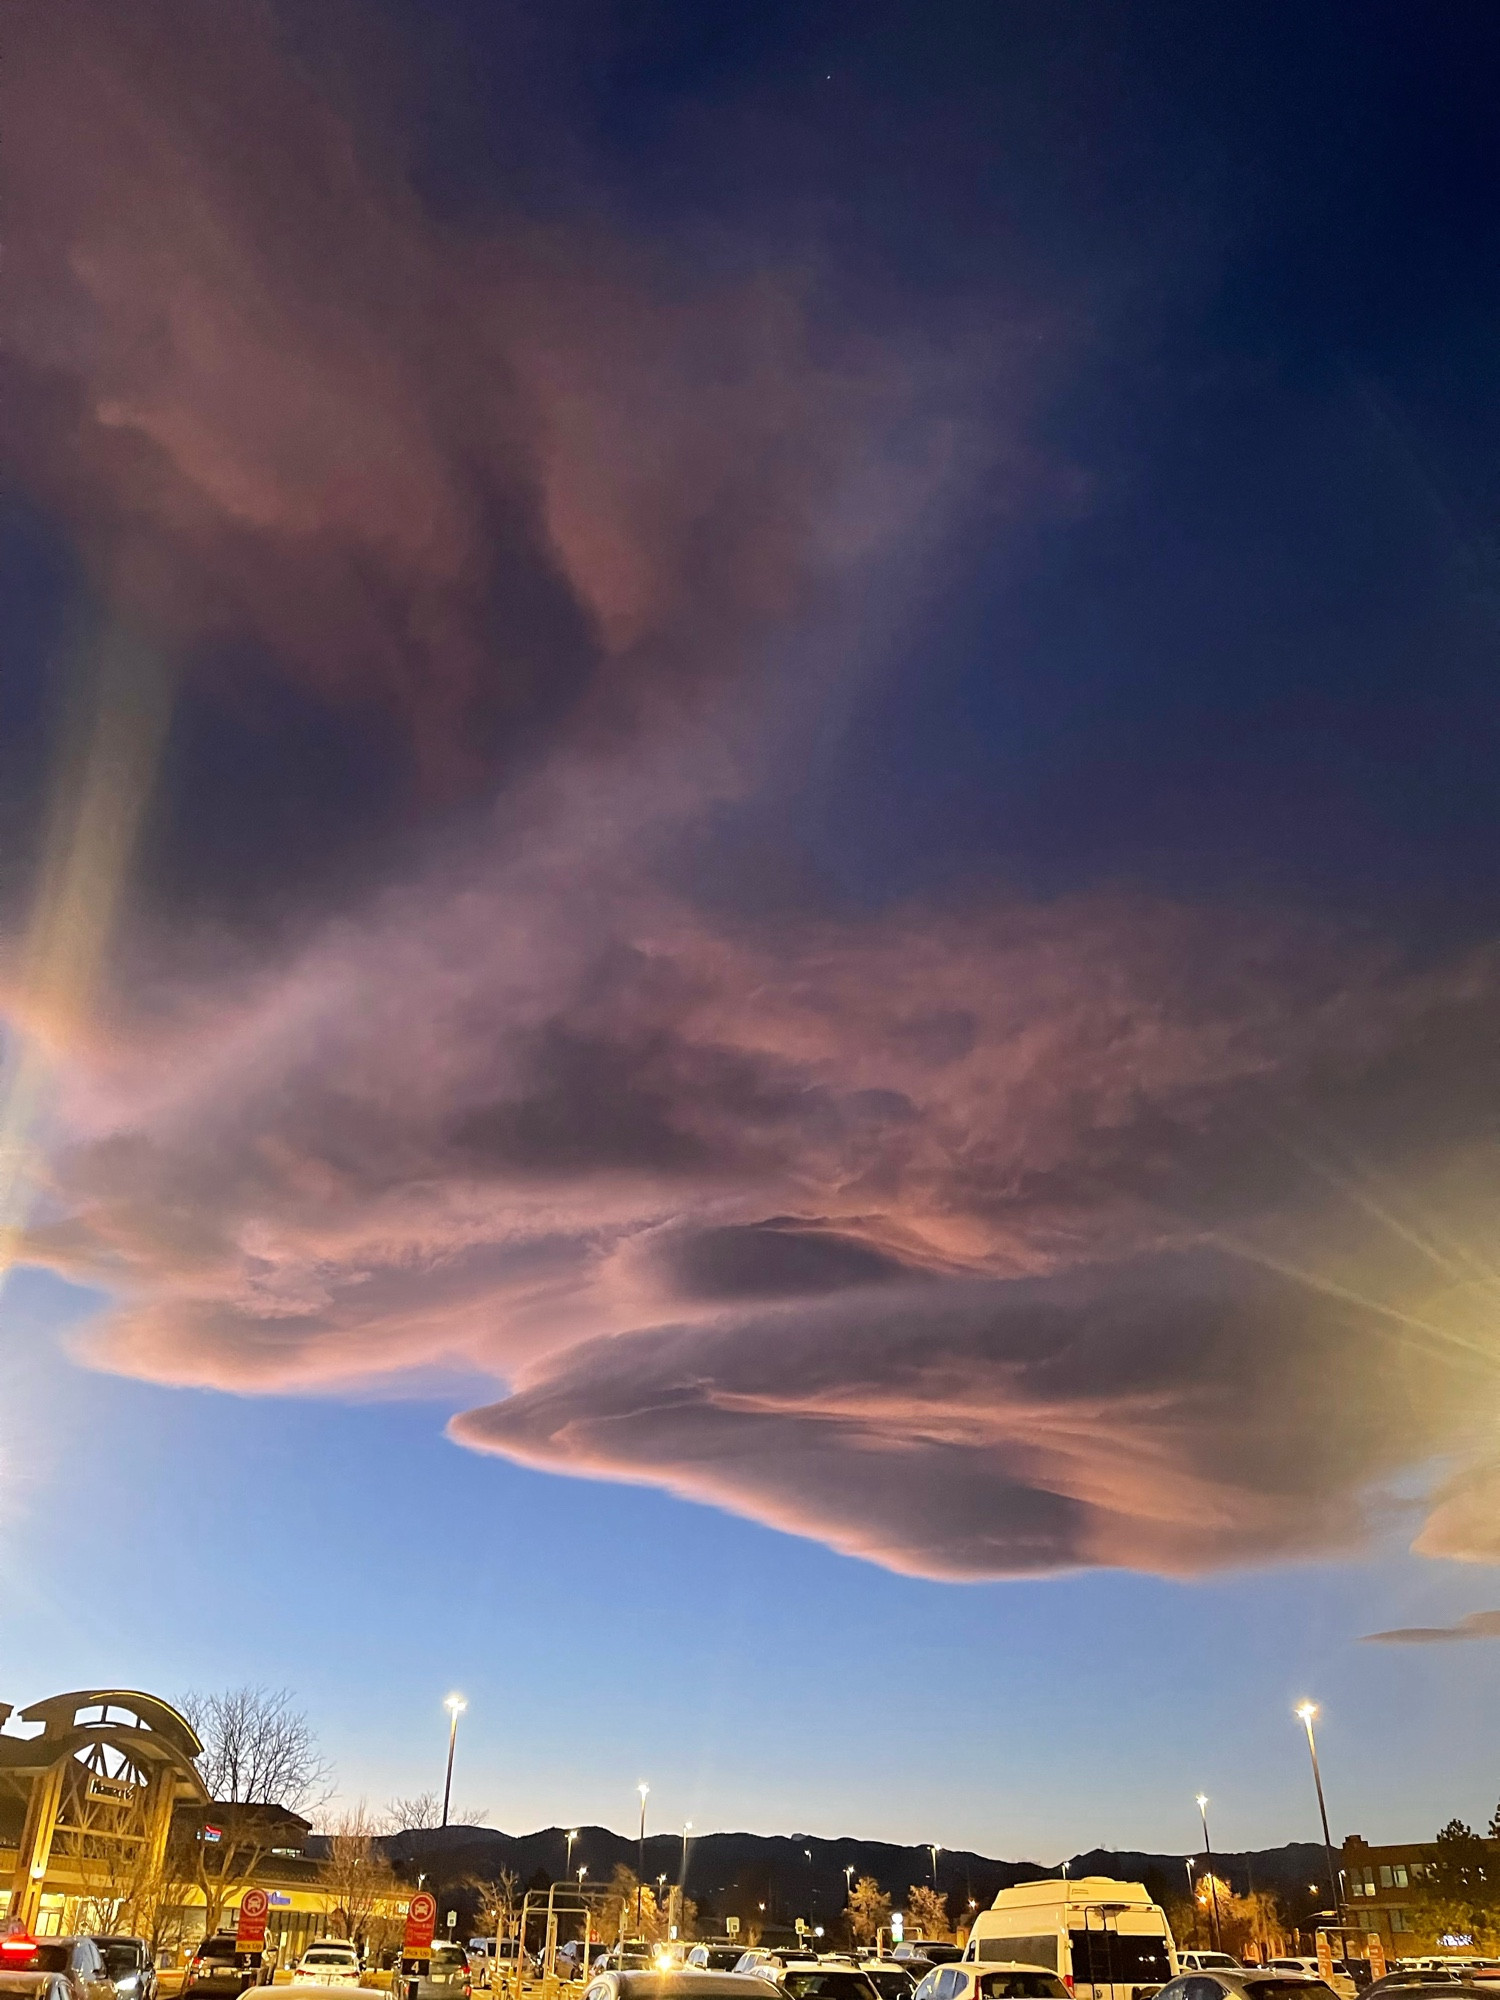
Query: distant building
[{"x": 1383, "y": 1893}]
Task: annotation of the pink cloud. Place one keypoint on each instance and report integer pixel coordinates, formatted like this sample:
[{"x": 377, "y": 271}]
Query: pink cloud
[
  {"x": 991, "y": 1239},
  {"x": 971, "y": 1244},
  {"x": 467, "y": 480}
]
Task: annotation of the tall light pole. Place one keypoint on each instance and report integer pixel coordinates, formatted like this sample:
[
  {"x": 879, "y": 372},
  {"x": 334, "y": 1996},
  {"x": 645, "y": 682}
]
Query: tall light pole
[
  {"x": 455, "y": 1705},
  {"x": 934, "y": 1852},
  {"x": 687, "y": 1834},
  {"x": 1306, "y": 1712},
  {"x": 640, "y": 1871},
  {"x": 1192, "y": 1898},
  {"x": 568, "y": 1864},
  {"x": 1208, "y": 1856}
]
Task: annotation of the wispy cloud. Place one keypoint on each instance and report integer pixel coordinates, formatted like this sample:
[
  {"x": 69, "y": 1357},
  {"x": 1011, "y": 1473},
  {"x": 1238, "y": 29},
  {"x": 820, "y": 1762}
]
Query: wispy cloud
[{"x": 1476, "y": 1625}]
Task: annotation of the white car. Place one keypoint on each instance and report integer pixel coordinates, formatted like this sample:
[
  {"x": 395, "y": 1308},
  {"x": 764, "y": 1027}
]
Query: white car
[{"x": 329, "y": 1962}]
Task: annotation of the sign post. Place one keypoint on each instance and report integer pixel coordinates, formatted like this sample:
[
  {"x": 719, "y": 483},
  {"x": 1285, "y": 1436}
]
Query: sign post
[
  {"x": 250, "y": 1927},
  {"x": 1325, "y": 1956},
  {"x": 416, "y": 1941},
  {"x": 1377, "y": 1956}
]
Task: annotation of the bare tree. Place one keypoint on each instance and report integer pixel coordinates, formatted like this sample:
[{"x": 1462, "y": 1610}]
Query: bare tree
[
  {"x": 259, "y": 1763},
  {"x": 356, "y": 1873},
  {"x": 498, "y": 1901},
  {"x": 424, "y": 1811},
  {"x": 414, "y": 1815},
  {"x": 158, "y": 1906}
]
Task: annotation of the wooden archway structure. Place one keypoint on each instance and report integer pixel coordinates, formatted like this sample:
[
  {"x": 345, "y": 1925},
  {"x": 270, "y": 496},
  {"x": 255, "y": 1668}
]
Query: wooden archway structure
[{"x": 100, "y": 1784}]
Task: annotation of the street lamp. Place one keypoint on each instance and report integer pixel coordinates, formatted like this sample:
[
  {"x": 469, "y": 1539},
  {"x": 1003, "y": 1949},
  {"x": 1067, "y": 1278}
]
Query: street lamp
[
  {"x": 1208, "y": 1856},
  {"x": 934, "y": 1852},
  {"x": 640, "y": 1869},
  {"x": 1306, "y": 1712},
  {"x": 1192, "y": 1898},
  {"x": 455, "y": 1705},
  {"x": 687, "y": 1834},
  {"x": 568, "y": 1864}
]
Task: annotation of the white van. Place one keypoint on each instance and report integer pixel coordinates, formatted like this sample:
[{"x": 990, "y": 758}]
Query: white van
[{"x": 1107, "y": 1940}]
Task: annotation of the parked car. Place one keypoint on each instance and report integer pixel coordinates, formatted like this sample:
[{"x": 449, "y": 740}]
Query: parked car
[
  {"x": 217, "y": 1966},
  {"x": 574, "y": 1960},
  {"x": 446, "y": 1976},
  {"x": 932, "y": 1949},
  {"x": 891, "y": 1979},
  {"x": 1253, "y": 1983},
  {"x": 77, "y": 1961},
  {"x": 684, "y": 1985},
  {"x": 327, "y": 1962},
  {"x": 130, "y": 1966},
  {"x": 715, "y": 1957},
  {"x": 632, "y": 1955},
  {"x": 756, "y": 1959},
  {"x": 991, "y": 1982},
  {"x": 1212, "y": 1961},
  {"x": 34, "y": 1985},
  {"x": 816, "y": 1979},
  {"x": 1408, "y": 1982}
]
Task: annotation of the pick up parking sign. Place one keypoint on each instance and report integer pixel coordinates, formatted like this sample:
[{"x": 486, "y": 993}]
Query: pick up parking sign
[
  {"x": 421, "y": 1920},
  {"x": 250, "y": 1926}
]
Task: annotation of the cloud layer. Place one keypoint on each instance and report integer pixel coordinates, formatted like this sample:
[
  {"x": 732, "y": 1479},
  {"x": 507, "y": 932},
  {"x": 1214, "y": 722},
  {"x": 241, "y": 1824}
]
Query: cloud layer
[
  {"x": 975, "y": 1245},
  {"x": 978, "y": 1239},
  {"x": 1474, "y": 1625}
]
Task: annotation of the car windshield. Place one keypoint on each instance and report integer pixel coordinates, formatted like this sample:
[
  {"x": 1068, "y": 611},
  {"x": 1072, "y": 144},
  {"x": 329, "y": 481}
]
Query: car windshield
[
  {"x": 217, "y": 1947},
  {"x": 1022, "y": 1986},
  {"x": 833, "y": 1984},
  {"x": 447, "y": 1954},
  {"x": 888, "y": 1981},
  {"x": 121, "y": 1958},
  {"x": 330, "y": 1955}
]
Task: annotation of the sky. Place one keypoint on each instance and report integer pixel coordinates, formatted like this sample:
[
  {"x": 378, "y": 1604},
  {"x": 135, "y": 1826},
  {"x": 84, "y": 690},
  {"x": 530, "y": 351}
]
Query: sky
[{"x": 748, "y": 901}]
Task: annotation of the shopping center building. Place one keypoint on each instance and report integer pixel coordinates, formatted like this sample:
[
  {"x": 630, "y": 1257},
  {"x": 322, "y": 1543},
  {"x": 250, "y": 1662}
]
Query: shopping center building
[{"x": 101, "y": 1806}]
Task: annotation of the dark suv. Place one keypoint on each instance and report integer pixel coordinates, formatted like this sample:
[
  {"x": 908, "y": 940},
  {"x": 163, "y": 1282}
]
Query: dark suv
[
  {"x": 217, "y": 1967},
  {"x": 128, "y": 1962}
]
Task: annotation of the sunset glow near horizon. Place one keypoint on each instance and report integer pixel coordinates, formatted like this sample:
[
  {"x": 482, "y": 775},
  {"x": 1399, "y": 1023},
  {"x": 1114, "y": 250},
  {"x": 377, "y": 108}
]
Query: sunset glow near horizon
[{"x": 751, "y": 910}]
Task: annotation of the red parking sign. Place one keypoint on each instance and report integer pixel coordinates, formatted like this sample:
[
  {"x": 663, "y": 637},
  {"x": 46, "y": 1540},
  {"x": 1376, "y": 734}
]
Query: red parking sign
[
  {"x": 250, "y": 1930},
  {"x": 421, "y": 1918}
]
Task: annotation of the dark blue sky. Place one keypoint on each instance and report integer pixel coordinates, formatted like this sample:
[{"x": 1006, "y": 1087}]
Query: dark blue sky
[{"x": 752, "y": 748}]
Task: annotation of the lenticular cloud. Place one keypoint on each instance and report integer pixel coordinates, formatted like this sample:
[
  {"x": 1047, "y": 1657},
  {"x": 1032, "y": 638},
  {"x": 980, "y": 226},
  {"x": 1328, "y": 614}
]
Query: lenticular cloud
[
  {"x": 979, "y": 1240},
  {"x": 974, "y": 1245}
]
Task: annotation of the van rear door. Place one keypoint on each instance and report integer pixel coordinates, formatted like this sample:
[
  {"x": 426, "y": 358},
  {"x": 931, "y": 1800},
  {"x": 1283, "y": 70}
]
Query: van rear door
[{"x": 1117, "y": 1965}]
